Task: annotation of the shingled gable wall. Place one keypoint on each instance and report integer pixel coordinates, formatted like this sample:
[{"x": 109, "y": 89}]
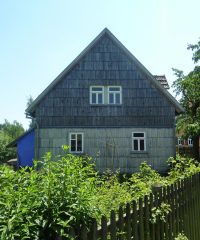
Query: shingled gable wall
[
  {"x": 67, "y": 104},
  {"x": 107, "y": 129}
]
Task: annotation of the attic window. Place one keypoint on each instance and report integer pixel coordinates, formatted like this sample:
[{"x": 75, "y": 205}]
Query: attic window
[
  {"x": 96, "y": 94},
  {"x": 111, "y": 95},
  {"x": 114, "y": 95}
]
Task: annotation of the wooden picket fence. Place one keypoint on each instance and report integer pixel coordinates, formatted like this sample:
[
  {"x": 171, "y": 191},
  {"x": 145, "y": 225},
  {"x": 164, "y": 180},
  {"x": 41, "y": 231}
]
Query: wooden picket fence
[{"x": 135, "y": 220}]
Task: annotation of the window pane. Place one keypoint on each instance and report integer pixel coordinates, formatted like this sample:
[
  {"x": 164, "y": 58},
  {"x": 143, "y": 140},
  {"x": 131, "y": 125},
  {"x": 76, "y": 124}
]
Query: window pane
[
  {"x": 141, "y": 145},
  {"x": 97, "y": 89},
  {"x": 135, "y": 145},
  {"x": 114, "y": 89},
  {"x": 94, "y": 98},
  {"x": 79, "y": 137},
  {"x": 111, "y": 98},
  {"x": 79, "y": 142},
  {"x": 73, "y": 145},
  {"x": 117, "y": 98},
  {"x": 100, "y": 98},
  {"x": 138, "y": 134},
  {"x": 73, "y": 136}
]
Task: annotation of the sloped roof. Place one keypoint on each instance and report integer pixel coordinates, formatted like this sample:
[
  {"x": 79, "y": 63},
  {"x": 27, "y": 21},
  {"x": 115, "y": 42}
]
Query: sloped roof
[
  {"x": 162, "y": 80},
  {"x": 14, "y": 142},
  {"x": 30, "y": 110}
]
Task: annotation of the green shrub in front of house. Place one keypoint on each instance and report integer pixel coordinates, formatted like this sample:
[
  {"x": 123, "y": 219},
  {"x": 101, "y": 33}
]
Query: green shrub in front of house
[
  {"x": 36, "y": 204},
  {"x": 67, "y": 191}
]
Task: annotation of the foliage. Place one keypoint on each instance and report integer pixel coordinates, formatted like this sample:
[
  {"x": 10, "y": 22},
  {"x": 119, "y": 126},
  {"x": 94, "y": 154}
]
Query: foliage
[
  {"x": 181, "y": 236},
  {"x": 141, "y": 183},
  {"x": 5, "y": 153},
  {"x": 182, "y": 167},
  {"x": 111, "y": 193},
  {"x": 12, "y": 130},
  {"x": 67, "y": 191},
  {"x": 9, "y": 132},
  {"x": 29, "y": 102},
  {"x": 188, "y": 87},
  {"x": 160, "y": 212},
  {"x": 35, "y": 204}
]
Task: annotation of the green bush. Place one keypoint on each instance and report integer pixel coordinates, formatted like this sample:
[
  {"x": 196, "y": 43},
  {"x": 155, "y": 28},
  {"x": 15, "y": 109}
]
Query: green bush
[
  {"x": 41, "y": 205},
  {"x": 181, "y": 167}
]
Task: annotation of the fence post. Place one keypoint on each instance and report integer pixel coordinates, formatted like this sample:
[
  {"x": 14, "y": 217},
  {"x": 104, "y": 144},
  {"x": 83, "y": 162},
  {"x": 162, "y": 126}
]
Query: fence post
[
  {"x": 181, "y": 205},
  {"x": 169, "y": 200},
  {"x": 146, "y": 218},
  {"x": 152, "y": 226},
  {"x": 104, "y": 229},
  {"x": 155, "y": 190},
  {"x": 161, "y": 222},
  {"x": 135, "y": 221},
  {"x": 166, "y": 225},
  {"x": 128, "y": 222},
  {"x": 93, "y": 232},
  {"x": 141, "y": 220},
  {"x": 84, "y": 233},
  {"x": 121, "y": 222},
  {"x": 113, "y": 229}
]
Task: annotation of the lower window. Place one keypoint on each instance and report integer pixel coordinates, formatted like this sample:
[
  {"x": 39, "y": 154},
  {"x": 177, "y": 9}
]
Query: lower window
[
  {"x": 76, "y": 142},
  {"x": 138, "y": 141}
]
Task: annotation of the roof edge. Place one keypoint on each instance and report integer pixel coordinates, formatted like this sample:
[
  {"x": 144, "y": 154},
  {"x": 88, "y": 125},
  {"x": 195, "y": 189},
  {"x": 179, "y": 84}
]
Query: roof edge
[
  {"x": 14, "y": 142},
  {"x": 30, "y": 109},
  {"x": 178, "y": 107}
]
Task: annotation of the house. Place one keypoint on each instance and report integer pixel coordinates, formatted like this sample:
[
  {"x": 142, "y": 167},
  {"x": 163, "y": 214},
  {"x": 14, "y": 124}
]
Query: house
[
  {"x": 106, "y": 104},
  {"x": 184, "y": 146},
  {"x": 25, "y": 145}
]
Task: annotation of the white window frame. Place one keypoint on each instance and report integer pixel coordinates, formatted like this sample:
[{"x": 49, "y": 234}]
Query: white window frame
[
  {"x": 97, "y": 93},
  {"x": 180, "y": 141},
  {"x": 138, "y": 139},
  {"x": 70, "y": 138},
  {"x": 115, "y": 92},
  {"x": 190, "y": 142}
]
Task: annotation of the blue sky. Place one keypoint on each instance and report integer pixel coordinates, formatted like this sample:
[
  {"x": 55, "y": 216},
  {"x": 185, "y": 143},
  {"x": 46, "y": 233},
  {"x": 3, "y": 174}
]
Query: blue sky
[{"x": 38, "y": 39}]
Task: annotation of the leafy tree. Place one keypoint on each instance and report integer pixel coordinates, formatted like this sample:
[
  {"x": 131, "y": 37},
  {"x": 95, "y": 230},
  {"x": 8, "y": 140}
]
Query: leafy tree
[
  {"x": 12, "y": 130},
  {"x": 9, "y": 132},
  {"x": 29, "y": 102},
  {"x": 188, "y": 87}
]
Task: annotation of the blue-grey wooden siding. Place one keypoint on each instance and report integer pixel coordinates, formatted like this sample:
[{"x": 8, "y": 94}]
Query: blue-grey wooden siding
[{"x": 67, "y": 104}]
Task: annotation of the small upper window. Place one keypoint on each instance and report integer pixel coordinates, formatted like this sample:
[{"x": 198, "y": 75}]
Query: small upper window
[
  {"x": 76, "y": 142},
  {"x": 138, "y": 141},
  {"x": 97, "y": 95},
  {"x": 114, "y": 95}
]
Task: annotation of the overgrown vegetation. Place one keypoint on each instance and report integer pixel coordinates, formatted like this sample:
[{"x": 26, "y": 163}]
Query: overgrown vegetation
[
  {"x": 67, "y": 191},
  {"x": 188, "y": 88},
  {"x": 8, "y": 133}
]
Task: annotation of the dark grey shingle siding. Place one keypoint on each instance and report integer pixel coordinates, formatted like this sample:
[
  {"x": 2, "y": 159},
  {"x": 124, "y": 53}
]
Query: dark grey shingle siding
[{"x": 67, "y": 104}]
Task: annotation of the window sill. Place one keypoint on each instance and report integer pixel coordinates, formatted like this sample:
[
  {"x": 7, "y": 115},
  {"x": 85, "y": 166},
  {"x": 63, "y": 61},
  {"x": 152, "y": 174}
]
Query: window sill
[
  {"x": 139, "y": 154},
  {"x": 106, "y": 105},
  {"x": 77, "y": 153}
]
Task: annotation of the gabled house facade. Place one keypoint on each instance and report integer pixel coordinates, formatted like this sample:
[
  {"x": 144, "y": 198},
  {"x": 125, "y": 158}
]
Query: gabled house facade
[{"x": 107, "y": 105}]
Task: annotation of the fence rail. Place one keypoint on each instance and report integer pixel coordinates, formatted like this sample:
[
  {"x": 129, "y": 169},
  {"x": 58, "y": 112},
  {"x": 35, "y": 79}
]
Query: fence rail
[{"x": 134, "y": 222}]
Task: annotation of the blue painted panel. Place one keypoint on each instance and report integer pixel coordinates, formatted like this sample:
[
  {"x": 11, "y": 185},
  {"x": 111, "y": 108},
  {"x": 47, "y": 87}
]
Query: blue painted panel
[{"x": 25, "y": 149}]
